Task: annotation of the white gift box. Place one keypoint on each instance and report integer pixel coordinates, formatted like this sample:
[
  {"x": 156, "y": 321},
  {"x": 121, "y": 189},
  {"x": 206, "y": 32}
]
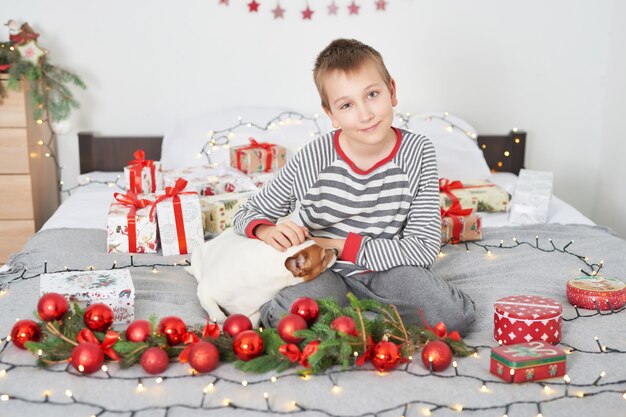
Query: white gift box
[
  {"x": 119, "y": 231},
  {"x": 531, "y": 200},
  {"x": 191, "y": 221},
  {"x": 143, "y": 183},
  {"x": 114, "y": 288},
  {"x": 209, "y": 181}
]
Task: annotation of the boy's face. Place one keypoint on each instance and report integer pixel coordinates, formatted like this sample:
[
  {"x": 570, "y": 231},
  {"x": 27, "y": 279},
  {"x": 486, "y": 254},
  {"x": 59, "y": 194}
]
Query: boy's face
[{"x": 361, "y": 104}]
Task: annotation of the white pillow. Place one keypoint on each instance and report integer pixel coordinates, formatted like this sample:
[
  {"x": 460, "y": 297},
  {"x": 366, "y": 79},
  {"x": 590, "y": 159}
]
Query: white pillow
[
  {"x": 458, "y": 154},
  {"x": 184, "y": 142}
]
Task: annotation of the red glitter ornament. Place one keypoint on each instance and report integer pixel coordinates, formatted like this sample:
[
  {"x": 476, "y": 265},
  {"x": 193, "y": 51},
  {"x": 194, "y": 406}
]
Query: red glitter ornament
[
  {"x": 173, "y": 328},
  {"x": 204, "y": 356},
  {"x": 138, "y": 331},
  {"x": 385, "y": 356},
  {"x": 52, "y": 306},
  {"x": 436, "y": 355},
  {"x": 290, "y": 324},
  {"x": 25, "y": 331},
  {"x": 87, "y": 357},
  {"x": 235, "y": 324},
  {"x": 306, "y": 308},
  {"x": 98, "y": 317},
  {"x": 248, "y": 345},
  {"x": 344, "y": 324},
  {"x": 154, "y": 360}
]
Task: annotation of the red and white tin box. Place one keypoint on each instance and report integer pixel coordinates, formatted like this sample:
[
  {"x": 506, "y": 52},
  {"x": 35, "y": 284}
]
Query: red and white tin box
[
  {"x": 525, "y": 318},
  {"x": 593, "y": 293},
  {"x": 527, "y": 362}
]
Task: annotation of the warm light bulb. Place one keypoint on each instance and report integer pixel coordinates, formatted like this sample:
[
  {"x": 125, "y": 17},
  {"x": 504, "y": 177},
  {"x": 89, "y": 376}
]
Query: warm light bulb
[
  {"x": 68, "y": 393},
  {"x": 244, "y": 383},
  {"x": 4, "y": 397},
  {"x": 266, "y": 395},
  {"x": 273, "y": 379}
]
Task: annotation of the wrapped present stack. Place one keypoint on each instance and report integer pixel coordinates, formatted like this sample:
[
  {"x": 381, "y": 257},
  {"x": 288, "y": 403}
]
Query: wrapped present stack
[
  {"x": 480, "y": 195},
  {"x": 531, "y": 199},
  {"x": 143, "y": 175},
  {"x": 257, "y": 157},
  {"x": 129, "y": 227},
  {"x": 113, "y": 287},
  {"x": 210, "y": 181}
]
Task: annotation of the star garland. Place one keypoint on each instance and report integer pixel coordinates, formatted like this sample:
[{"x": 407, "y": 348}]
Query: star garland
[{"x": 351, "y": 8}]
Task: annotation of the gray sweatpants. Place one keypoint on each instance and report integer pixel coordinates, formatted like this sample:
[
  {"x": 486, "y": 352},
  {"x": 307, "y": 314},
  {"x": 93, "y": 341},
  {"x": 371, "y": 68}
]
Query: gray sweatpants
[{"x": 407, "y": 287}]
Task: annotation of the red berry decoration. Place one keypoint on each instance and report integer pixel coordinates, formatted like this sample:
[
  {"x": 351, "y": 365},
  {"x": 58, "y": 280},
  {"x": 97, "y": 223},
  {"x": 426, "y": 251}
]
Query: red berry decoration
[
  {"x": 236, "y": 324},
  {"x": 385, "y": 356},
  {"x": 204, "y": 356},
  {"x": 440, "y": 329},
  {"x": 138, "y": 331},
  {"x": 87, "y": 357},
  {"x": 438, "y": 353},
  {"x": 344, "y": 324},
  {"x": 248, "y": 345},
  {"x": 154, "y": 360},
  {"x": 25, "y": 331},
  {"x": 173, "y": 328},
  {"x": 290, "y": 324},
  {"x": 52, "y": 306},
  {"x": 306, "y": 308},
  {"x": 98, "y": 317}
]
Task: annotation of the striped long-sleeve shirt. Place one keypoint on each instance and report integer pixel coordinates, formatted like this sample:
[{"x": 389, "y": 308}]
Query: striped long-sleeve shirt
[{"x": 388, "y": 215}]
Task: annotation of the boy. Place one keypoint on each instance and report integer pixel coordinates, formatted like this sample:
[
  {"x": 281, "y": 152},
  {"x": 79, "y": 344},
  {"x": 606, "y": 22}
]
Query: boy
[{"x": 368, "y": 190}]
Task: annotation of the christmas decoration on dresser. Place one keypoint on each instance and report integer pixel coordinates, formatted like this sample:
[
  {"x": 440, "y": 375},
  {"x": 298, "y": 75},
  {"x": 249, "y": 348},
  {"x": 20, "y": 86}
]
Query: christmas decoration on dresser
[{"x": 385, "y": 340}]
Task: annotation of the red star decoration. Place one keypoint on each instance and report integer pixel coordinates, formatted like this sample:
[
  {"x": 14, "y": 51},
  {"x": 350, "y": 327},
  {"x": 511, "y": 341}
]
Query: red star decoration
[
  {"x": 225, "y": 2},
  {"x": 253, "y": 6},
  {"x": 332, "y": 9},
  {"x": 353, "y": 8},
  {"x": 307, "y": 13},
  {"x": 278, "y": 12},
  {"x": 381, "y": 4}
]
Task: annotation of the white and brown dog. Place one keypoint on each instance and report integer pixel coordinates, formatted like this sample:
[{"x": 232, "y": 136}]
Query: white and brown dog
[{"x": 240, "y": 274}]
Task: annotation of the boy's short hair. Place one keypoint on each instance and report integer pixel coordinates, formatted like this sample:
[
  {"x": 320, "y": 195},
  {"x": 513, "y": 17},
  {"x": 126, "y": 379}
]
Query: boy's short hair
[{"x": 346, "y": 55}]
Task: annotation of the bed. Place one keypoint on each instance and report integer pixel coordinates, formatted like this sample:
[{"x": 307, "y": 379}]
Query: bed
[{"x": 509, "y": 260}]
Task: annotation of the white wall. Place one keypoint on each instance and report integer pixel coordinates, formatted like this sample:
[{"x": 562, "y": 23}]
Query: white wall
[{"x": 540, "y": 66}]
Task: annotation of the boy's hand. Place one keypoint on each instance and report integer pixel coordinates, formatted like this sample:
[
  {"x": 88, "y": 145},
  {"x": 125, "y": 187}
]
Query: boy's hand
[{"x": 282, "y": 235}]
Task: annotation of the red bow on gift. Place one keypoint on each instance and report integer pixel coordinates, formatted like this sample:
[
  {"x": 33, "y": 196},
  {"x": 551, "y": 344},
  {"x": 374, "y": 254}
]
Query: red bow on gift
[
  {"x": 211, "y": 330},
  {"x": 110, "y": 338},
  {"x": 136, "y": 166},
  {"x": 446, "y": 186},
  {"x": 174, "y": 193},
  {"x": 292, "y": 352},
  {"x": 256, "y": 145},
  {"x": 455, "y": 212},
  {"x": 440, "y": 329},
  {"x": 131, "y": 200}
]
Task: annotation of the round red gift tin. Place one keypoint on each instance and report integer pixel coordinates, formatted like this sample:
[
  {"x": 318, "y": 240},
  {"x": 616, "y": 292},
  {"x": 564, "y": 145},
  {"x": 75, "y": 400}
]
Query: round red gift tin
[
  {"x": 596, "y": 293},
  {"x": 525, "y": 318}
]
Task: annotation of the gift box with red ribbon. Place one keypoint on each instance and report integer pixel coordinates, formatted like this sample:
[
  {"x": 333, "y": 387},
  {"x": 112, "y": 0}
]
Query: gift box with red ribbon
[
  {"x": 257, "y": 157},
  {"x": 526, "y": 318},
  {"x": 129, "y": 227},
  {"x": 459, "y": 225},
  {"x": 527, "y": 362},
  {"x": 180, "y": 219},
  {"x": 478, "y": 195},
  {"x": 111, "y": 287},
  {"x": 143, "y": 175}
]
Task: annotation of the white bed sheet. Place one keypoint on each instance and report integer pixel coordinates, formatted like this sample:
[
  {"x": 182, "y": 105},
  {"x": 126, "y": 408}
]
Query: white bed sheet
[{"x": 88, "y": 206}]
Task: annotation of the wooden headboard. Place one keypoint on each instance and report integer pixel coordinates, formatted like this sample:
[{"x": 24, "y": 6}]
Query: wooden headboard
[{"x": 503, "y": 153}]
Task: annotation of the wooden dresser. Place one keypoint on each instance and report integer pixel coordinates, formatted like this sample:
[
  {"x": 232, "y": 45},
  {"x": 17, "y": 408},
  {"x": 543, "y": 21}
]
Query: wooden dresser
[{"x": 28, "y": 179}]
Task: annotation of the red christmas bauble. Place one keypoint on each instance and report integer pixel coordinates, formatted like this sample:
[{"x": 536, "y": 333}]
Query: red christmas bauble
[
  {"x": 154, "y": 360},
  {"x": 25, "y": 331},
  {"x": 87, "y": 357},
  {"x": 98, "y": 317},
  {"x": 173, "y": 328},
  {"x": 203, "y": 356},
  {"x": 52, "y": 306},
  {"x": 306, "y": 308},
  {"x": 440, "y": 354},
  {"x": 138, "y": 331},
  {"x": 235, "y": 324},
  {"x": 290, "y": 324},
  {"x": 344, "y": 324},
  {"x": 248, "y": 345},
  {"x": 385, "y": 356}
]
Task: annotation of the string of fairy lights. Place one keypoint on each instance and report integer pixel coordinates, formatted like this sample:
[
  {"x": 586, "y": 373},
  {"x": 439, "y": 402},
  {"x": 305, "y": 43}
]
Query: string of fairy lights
[
  {"x": 450, "y": 126},
  {"x": 555, "y": 391}
]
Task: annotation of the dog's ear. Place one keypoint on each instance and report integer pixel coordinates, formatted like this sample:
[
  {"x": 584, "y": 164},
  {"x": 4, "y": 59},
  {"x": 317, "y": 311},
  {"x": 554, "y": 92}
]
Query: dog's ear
[{"x": 295, "y": 263}]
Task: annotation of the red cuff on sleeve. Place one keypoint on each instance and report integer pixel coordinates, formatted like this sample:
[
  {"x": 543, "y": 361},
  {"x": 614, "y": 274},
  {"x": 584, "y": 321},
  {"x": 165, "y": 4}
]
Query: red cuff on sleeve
[
  {"x": 351, "y": 247},
  {"x": 253, "y": 224}
]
